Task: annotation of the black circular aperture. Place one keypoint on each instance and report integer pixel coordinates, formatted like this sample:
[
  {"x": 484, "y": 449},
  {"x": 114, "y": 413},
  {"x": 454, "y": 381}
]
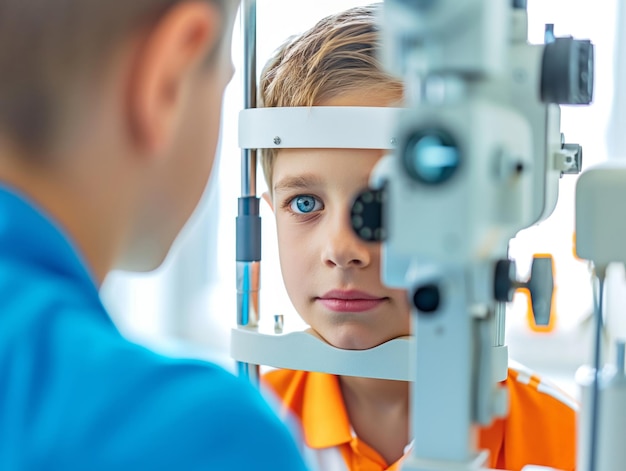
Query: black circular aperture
[
  {"x": 426, "y": 298},
  {"x": 366, "y": 215},
  {"x": 431, "y": 156}
]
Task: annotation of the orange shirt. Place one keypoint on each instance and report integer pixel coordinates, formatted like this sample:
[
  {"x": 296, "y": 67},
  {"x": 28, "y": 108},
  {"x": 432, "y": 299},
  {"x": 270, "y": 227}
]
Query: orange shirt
[{"x": 540, "y": 428}]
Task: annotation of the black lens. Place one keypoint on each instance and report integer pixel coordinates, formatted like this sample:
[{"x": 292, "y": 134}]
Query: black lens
[
  {"x": 567, "y": 72},
  {"x": 431, "y": 157},
  {"x": 427, "y": 298},
  {"x": 366, "y": 215}
]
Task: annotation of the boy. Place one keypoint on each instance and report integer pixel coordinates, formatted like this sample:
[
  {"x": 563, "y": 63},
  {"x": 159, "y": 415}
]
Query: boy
[
  {"x": 348, "y": 422},
  {"x": 109, "y": 118}
]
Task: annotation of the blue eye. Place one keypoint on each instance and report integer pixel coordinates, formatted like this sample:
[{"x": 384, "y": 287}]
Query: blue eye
[{"x": 305, "y": 204}]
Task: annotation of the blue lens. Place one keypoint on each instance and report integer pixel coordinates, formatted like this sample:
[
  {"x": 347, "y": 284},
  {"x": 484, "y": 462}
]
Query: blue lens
[{"x": 431, "y": 157}]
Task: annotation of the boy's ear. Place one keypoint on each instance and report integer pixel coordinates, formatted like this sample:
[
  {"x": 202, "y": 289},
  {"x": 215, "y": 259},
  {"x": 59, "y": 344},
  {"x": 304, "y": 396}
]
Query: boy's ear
[
  {"x": 268, "y": 199},
  {"x": 168, "y": 56}
]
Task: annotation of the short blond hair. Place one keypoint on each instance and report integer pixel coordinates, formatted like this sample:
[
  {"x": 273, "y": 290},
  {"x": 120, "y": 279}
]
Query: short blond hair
[{"x": 340, "y": 54}]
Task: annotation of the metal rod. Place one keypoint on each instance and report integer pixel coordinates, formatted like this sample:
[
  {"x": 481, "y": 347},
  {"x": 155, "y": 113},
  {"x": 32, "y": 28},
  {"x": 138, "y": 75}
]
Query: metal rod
[
  {"x": 248, "y": 287},
  {"x": 248, "y": 220},
  {"x": 248, "y": 156},
  {"x": 595, "y": 391},
  {"x": 500, "y": 325}
]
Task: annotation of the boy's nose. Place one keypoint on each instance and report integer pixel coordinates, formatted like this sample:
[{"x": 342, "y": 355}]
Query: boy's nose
[{"x": 343, "y": 249}]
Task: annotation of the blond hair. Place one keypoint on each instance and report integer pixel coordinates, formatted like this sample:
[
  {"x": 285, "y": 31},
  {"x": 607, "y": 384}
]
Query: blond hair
[
  {"x": 48, "y": 46},
  {"x": 340, "y": 54}
]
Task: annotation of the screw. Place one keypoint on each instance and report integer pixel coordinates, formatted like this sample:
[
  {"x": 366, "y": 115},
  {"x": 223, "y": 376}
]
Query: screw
[
  {"x": 279, "y": 322},
  {"x": 277, "y": 140}
]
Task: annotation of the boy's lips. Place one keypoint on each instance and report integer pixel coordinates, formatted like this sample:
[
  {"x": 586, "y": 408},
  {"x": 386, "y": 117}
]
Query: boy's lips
[{"x": 350, "y": 301}]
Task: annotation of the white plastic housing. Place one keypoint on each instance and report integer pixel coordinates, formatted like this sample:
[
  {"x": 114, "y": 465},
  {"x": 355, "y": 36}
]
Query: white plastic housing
[
  {"x": 600, "y": 216},
  {"x": 611, "y": 452},
  {"x": 472, "y": 216}
]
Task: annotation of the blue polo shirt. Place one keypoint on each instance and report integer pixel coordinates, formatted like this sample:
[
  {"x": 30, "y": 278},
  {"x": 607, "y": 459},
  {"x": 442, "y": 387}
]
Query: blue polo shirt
[{"x": 76, "y": 395}]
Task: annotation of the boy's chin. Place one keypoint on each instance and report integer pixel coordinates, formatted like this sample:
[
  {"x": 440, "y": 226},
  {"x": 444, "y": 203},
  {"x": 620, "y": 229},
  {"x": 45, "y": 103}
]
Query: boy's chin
[{"x": 353, "y": 339}]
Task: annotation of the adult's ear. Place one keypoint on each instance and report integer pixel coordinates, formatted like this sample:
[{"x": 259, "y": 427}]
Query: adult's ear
[
  {"x": 268, "y": 199},
  {"x": 166, "y": 58}
]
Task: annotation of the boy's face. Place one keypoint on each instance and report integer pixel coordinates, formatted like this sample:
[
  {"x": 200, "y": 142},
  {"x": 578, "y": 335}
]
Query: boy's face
[{"x": 332, "y": 277}]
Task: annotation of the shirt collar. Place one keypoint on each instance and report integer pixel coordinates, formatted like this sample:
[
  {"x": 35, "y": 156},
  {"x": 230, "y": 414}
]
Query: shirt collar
[
  {"x": 325, "y": 421},
  {"x": 29, "y": 235},
  {"x": 324, "y": 417}
]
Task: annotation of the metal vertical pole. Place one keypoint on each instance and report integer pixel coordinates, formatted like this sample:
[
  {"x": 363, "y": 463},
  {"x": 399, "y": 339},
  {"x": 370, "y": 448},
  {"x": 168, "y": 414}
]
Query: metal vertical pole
[
  {"x": 248, "y": 156},
  {"x": 500, "y": 325},
  {"x": 248, "y": 219}
]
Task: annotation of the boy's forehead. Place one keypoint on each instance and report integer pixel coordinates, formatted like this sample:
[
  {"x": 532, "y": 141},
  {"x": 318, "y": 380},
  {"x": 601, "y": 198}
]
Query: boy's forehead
[{"x": 308, "y": 168}]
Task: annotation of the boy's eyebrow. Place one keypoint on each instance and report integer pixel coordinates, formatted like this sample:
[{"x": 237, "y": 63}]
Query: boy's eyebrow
[{"x": 298, "y": 182}]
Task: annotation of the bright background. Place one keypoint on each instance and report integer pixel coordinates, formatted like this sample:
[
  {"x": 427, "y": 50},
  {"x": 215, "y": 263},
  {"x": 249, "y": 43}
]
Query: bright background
[{"x": 189, "y": 303}]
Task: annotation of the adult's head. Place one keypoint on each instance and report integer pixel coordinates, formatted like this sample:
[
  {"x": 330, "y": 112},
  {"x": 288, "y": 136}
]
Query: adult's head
[{"x": 113, "y": 107}]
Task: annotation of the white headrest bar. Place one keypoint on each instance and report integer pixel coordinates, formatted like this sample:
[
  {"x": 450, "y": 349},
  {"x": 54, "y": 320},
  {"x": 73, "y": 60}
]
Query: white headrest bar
[{"x": 330, "y": 127}]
